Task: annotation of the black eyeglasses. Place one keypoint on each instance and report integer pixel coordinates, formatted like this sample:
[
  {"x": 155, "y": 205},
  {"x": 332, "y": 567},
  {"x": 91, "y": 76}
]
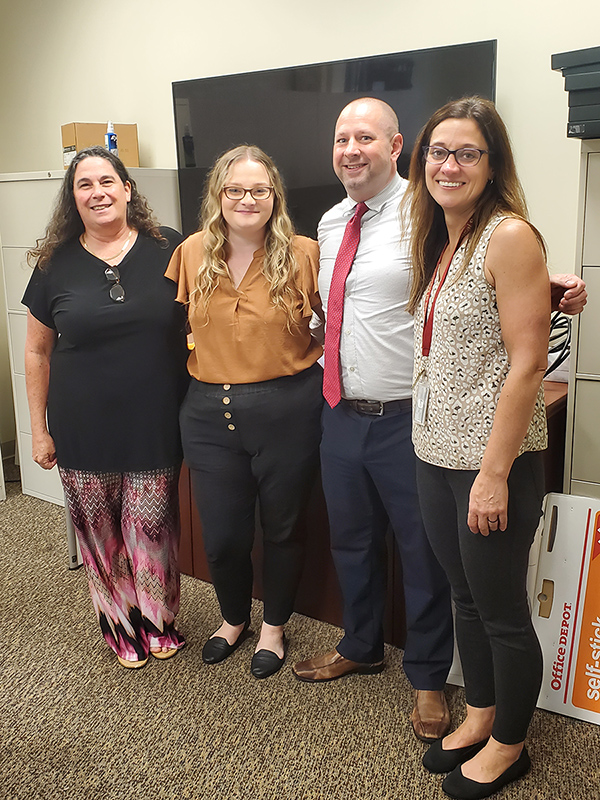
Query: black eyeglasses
[
  {"x": 465, "y": 156},
  {"x": 117, "y": 292},
  {"x": 257, "y": 193}
]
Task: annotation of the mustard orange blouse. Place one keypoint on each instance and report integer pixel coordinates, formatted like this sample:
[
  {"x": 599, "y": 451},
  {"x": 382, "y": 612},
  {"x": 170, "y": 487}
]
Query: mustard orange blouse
[{"x": 245, "y": 338}]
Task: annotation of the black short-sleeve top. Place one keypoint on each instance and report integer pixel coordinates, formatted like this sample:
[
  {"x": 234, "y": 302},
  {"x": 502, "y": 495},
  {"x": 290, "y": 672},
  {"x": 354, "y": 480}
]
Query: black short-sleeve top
[{"x": 117, "y": 372}]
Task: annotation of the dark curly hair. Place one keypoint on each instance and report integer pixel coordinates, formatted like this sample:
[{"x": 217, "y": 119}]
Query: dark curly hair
[{"x": 65, "y": 223}]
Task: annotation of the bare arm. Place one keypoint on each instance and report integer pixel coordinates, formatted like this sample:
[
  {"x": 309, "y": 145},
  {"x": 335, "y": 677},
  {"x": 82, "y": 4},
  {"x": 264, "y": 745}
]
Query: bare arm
[
  {"x": 569, "y": 294},
  {"x": 515, "y": 266},
  {"x": 39, "y": 345}
]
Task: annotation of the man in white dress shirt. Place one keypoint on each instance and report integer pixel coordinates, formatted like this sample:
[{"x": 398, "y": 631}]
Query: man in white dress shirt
[{"x": 367, "y": 457}]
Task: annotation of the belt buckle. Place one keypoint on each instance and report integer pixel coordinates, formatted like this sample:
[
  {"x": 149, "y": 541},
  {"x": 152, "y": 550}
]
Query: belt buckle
[{"x": 373, "y": 408}]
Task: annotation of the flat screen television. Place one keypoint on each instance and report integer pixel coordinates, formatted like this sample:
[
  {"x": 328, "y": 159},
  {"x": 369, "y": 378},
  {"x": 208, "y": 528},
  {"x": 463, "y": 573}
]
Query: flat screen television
[{"x": 291, "y": 112}]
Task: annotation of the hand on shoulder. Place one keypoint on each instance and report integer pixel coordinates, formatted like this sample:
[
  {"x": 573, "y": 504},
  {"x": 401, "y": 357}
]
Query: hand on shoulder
[{"x": 569, "y": 293}]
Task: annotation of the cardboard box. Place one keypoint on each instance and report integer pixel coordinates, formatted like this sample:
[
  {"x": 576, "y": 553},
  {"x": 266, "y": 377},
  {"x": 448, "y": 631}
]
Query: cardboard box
[
  {"x": 78, "y": 135},
  {"x": 566, "y": 614}
]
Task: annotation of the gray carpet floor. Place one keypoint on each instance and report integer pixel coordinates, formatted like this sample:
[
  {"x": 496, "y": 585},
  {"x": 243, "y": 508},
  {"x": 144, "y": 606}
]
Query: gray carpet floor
[{"x": 74, "y": 724}]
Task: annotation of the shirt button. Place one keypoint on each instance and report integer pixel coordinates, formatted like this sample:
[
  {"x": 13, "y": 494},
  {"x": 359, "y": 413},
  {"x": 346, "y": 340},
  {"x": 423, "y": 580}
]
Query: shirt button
[
  {"x": 227, "y": 415},
  {"x": 226, "y": 401},
  {"x": 231, "y": 427},
  {"x": 352, "y": 369},
  {"x": 227, "y": 386}
]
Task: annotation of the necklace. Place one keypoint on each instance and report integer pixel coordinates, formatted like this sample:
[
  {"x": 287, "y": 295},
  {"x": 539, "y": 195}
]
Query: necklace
[{"x": 107, "y": 258}]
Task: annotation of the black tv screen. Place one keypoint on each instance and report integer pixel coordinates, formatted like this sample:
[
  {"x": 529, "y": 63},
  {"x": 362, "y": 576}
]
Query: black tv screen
[{"x": 290, "y": 113}]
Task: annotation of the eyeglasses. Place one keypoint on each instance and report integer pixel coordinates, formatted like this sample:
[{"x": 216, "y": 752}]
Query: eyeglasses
[
  {"x": 465, "y": 156},
  {"x": 117, "y": 292},
  {"x": 257, "y": 193}
]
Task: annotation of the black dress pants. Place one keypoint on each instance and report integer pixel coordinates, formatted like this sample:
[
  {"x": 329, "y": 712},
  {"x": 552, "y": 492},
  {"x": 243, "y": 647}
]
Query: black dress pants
[
  {"x": 249, "y": 442},
  {"x": 499, "y": 650}
]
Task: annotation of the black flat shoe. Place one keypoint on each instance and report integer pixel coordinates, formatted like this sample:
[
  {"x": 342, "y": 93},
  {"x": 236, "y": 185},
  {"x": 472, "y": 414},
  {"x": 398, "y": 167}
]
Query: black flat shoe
[
  {"x": 436, "y": 759},
  {"x": 217, "y": 648},
  {"x": 266, "y": 663},
  {"x": 456, "y": 785}
]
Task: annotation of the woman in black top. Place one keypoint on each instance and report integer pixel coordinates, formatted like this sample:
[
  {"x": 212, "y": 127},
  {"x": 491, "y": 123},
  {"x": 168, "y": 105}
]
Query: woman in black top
[{"x": 105, "y": 363}]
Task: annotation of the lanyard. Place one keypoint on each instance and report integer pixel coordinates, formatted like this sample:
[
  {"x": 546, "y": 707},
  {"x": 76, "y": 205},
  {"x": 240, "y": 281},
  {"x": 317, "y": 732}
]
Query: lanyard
[{"x": 428, "y": 321}]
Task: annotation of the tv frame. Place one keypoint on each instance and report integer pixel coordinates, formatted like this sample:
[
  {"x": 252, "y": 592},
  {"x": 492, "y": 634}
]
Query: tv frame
[{"x": 290, "y": 113}]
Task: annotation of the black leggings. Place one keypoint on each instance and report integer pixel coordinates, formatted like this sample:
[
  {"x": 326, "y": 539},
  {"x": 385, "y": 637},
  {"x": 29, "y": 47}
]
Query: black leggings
[
  {"x": 499, "y": 650},
  {"x": 249, "y": 442}
]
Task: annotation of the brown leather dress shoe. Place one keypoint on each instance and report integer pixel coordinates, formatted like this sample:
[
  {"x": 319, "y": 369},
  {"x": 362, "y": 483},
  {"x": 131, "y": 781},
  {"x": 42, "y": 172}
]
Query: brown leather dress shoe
[
  {"x": 430, "y": 715},
  {"x": 330, "y": 666}
]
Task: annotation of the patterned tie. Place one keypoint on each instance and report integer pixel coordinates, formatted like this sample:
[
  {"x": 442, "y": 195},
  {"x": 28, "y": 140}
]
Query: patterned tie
[{"x": 335, "y": 307}]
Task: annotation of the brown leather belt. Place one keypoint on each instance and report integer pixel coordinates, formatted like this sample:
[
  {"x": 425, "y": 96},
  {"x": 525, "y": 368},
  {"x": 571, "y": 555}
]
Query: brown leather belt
[{"x": 375, "y": 408}]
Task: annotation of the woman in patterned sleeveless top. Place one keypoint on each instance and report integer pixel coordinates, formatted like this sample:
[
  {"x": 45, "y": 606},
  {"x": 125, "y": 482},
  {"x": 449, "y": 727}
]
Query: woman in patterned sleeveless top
[{"x": 481, "y": 300}]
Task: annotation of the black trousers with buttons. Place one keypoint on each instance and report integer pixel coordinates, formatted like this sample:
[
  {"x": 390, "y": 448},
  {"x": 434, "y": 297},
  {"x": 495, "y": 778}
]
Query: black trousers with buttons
[{"x": 249, "y": 444}]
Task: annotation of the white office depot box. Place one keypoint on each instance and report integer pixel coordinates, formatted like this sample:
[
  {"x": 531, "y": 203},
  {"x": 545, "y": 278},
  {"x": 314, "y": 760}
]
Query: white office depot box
[{"x": 566, "y": 612}]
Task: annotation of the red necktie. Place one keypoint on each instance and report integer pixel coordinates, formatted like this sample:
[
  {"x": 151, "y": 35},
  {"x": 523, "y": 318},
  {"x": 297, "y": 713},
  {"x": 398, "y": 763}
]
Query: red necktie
[{"x": 335, "y": 307}]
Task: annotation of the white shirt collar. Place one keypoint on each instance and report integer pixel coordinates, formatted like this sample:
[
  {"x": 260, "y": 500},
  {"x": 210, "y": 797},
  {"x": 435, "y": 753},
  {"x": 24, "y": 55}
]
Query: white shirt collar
[{"x": 375, "y": 203}]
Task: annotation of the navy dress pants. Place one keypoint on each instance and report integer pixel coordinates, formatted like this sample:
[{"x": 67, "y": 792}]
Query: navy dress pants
[{"x": 369, "y": 480}]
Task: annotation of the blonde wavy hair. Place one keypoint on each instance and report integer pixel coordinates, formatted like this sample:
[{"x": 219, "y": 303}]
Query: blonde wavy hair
[{"x": 279, "y": 268}]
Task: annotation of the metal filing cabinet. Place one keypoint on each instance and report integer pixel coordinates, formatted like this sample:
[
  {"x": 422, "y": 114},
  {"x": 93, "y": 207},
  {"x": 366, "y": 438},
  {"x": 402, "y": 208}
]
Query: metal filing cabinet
[{"x": 582, "y": 464}]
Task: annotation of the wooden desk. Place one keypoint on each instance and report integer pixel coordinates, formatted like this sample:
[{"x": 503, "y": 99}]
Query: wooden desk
[
  {"x": 556, "y": 413},
  {"x": 318, "y": 593}
]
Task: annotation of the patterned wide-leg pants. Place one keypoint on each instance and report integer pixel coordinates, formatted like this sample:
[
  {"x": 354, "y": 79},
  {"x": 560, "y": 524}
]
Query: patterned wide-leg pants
[{"x": 127, "y": 525}]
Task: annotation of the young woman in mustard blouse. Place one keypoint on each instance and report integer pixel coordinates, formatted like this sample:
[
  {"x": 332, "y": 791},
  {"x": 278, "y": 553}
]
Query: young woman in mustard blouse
[{"x": 251, "y": 419}]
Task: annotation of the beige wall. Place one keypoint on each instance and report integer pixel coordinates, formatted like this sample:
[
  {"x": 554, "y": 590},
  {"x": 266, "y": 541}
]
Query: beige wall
[
  {"x": 76, "y": 60},
  {"x": 7, "y": 419}
]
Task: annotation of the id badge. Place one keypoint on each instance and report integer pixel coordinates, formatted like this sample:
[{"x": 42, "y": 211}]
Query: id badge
[{"x": 420, "y": 404}]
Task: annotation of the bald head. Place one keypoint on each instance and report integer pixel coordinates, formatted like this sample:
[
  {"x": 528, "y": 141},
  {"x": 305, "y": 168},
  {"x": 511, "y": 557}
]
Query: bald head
[
  {"x": 366, "y": 147},
  {"x": 377, "y": 110}
]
